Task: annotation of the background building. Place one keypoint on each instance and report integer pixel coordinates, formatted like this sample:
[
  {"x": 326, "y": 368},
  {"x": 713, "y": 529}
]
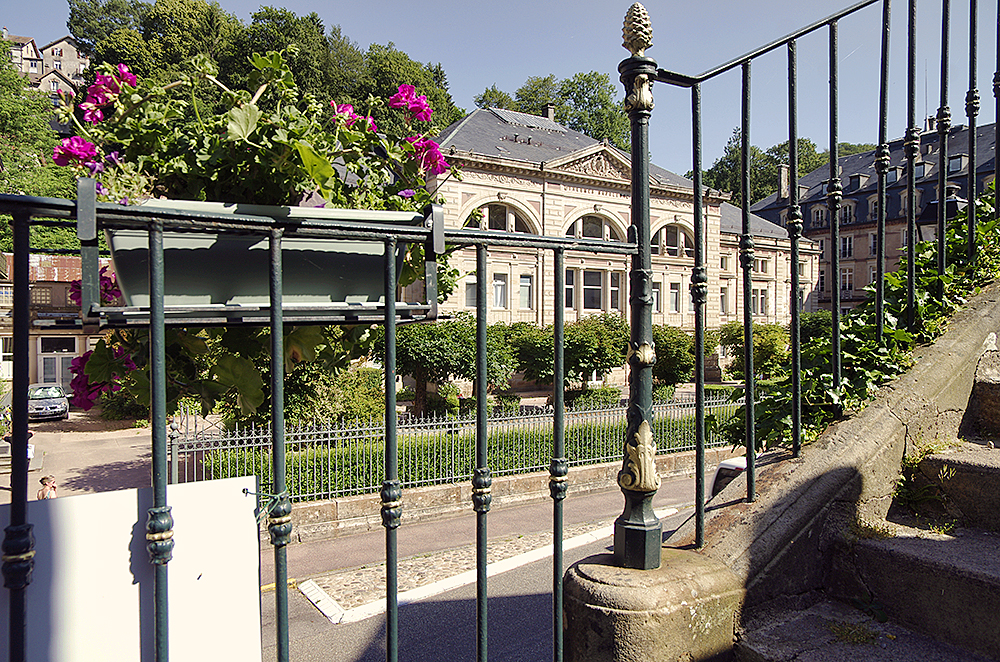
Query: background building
[
  {"x": 525, "y": 173},
  {"x": 857, "y": 218}
]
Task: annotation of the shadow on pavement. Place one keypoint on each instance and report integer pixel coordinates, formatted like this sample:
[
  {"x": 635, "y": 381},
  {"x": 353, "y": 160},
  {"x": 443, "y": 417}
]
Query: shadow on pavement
[{"x": 120, "y": 475}]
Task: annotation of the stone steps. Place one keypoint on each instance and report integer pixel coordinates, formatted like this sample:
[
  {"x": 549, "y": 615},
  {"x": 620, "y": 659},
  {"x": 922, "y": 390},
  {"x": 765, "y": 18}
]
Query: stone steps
[{"x": 831, "y": 631}]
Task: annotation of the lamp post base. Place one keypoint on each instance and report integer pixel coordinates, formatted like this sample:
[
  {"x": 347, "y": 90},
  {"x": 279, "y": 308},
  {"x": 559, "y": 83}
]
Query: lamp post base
[{"x": 638, "y": 533}]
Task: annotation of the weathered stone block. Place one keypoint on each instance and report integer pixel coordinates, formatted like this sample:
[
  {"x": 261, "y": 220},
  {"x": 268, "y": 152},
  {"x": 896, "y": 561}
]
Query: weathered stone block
[
  {"x": 984, "y": 403},
  {"x": 684, "y": 610}
]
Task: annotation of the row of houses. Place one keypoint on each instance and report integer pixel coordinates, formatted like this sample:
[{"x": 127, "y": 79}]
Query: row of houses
[{"x": 54, "y": 67}]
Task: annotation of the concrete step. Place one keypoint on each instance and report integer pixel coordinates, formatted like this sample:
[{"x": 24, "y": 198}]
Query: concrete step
[
  {"x": 831, "y": 631},
  {"x": 968, "y": 476},
  {"x": 946, "y": 586}
]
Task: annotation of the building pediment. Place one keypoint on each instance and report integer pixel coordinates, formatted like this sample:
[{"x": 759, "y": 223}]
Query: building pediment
[{"x": 598, "y": 161}]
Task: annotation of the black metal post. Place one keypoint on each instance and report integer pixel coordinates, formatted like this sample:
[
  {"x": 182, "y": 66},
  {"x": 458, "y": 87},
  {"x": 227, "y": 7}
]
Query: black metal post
[
  {"x": 746, "y": 263},
  {"x": 19, "y": 541},
  {"x": 794, "y": 227},
  {"x": 882, "y": 170},
  {"x": 280, "y": 516},
  {"x": 911, "y": 147},
  {"x": 159, "y": 525},
  {"x": 638, "y": 532},
  {"x": 482, "y": 481},
  {"x": 391, "y": 493},
  {"x": 559, "y": 467},
  {"x": 833, "y": 197},
  {"x": 972, "y": 112},
  {"x": 943, "y": 128},
  {"x": 699, "y": 293}
]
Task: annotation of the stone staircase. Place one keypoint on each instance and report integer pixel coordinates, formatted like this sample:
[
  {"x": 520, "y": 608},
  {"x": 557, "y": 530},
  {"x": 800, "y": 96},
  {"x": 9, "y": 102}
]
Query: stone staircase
[{"x": 922, "y": 584}]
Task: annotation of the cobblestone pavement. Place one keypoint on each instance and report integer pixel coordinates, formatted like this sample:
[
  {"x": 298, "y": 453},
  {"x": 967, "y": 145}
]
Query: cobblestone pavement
[{"x": 358, "y": 586}]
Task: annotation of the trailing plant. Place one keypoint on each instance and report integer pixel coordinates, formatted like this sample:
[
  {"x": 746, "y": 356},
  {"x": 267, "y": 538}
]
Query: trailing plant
[
  {"x": 867, "y": 361},
  {"x": 269, "y": 144}
]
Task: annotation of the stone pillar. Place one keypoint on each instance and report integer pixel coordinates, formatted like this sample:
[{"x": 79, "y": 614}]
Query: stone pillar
[{"x": 685, "y": 610}]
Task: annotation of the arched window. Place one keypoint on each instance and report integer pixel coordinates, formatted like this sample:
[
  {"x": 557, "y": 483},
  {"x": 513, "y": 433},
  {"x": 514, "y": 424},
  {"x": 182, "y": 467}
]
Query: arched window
[
  {"x": 594, "y": 227},
  {"x": 498, "y": 217},
  {"x": 672, "y": 241}
]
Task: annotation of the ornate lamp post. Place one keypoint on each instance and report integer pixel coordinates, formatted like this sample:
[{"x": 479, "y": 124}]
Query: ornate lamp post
[{"x": 638, "y": 531}]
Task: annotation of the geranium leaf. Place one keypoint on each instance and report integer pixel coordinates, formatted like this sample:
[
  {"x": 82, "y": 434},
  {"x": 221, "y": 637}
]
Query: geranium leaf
[{"x": 242, "y": 122}]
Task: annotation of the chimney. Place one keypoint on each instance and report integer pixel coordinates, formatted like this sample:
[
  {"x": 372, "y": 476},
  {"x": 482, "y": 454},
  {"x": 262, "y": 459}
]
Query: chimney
[
  {"x": 550, "y": 111},
  {"x": 5, "y": 33},
  {"x": 784, "y": 181}
]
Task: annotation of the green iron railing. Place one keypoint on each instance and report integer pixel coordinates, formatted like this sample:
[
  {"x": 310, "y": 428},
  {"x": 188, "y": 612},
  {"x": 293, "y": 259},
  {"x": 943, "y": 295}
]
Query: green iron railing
[
  {"x": 338, "y": 460},
  {"x": 639, "y": 71}
]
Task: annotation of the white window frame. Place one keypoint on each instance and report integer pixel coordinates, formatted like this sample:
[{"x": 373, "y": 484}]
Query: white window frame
[
  {"x": 847, "y": 246},
  {"x": 526, "y": 292},
  {"x": 674, "y": 302},
  {"x": 591, "y": 288},
  {"x": 500, "y": 291},
  {"x": 847, "y": 279}
]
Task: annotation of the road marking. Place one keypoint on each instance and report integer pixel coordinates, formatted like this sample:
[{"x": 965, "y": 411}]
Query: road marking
[
  {"x": 362, "y": 612},
  {"x": 322, "y": 601}
]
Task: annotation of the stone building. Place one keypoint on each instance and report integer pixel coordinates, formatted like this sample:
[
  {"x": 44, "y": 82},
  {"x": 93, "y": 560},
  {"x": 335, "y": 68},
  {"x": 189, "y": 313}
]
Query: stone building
[
  {"x": 525, "y": 173},
  {"x": 858, "y": 212}
]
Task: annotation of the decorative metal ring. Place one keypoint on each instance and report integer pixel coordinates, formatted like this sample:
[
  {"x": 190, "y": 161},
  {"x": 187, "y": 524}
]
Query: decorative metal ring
[
  {"x": 558, "y": 479},
  {"x": 481, "y": 490},
  {"x": 16, "y": 558},
  {"x": 165, "y": 535},
  {"x": 387, "y": 505},
  {"x": 285, "y": 519}
]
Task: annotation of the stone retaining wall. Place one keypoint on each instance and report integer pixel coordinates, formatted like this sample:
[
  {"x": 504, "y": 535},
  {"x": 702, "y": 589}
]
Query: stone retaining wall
[{"x": 317, "y": 520}]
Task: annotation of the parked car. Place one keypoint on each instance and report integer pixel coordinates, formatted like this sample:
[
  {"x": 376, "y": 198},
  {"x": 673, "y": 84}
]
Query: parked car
[
  {"x": 47, "y": 401},
  {"x": 726, "y": 472}
]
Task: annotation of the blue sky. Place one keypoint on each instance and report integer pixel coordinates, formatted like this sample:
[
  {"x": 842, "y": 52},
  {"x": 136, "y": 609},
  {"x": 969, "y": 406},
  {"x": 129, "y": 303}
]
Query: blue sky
[{"x": 485, "y": 43}]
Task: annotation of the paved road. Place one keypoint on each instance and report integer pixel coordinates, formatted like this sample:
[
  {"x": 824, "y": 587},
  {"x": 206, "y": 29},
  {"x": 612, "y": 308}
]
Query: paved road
[{"x": 444, "y": 627}]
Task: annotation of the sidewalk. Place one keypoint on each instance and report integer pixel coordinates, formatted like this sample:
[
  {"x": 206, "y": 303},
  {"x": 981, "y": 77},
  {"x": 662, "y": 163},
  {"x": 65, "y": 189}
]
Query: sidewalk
[{"x": 86, "y": 454}]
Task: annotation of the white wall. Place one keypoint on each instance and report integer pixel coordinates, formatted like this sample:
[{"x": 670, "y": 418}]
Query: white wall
[{"x": 92, "y": 588}]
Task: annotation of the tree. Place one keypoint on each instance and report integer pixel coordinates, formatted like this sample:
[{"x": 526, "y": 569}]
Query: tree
[
  {"x": 92, "y": 21},
  {"x": 302, "y": 37},
  {"x": 674, "y": 354},
  {"x": 26, "y": 143},
  {"x": 493, "y": 97},
  {"x": 536, "y": 93},
  {"x": 584, "y": 102},
  {"x": 432, "y": 353},
  {"x": 587, "y": 104},
  {"x": 725, "y": 173},
  {"x": 770, "y": 349}
]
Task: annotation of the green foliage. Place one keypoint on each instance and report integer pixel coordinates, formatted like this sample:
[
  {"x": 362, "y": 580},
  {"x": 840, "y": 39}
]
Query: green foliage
[
  {"x": 354, "y": 466},
  {"x": 663, "y": 393},
  {"x": 584, "y": 102},
  {"x": 675, "y": 358},
  {"x": 725, "y": 173},
  {"x": 867, "y": 361},
  {"x": 770, "y": 349},
  {"x": 587, "y": 399},
  {"x": 592, "y": 344},
  {"x": 26, "y": 142},
  {"x": 358, "y": 394},
  {"x": 120, "y": 405}
]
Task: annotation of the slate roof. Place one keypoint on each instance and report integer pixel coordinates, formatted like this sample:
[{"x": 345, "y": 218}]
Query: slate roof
[
  {"x": 814, "y": 183},
  {"x": 537, "y": 140}
]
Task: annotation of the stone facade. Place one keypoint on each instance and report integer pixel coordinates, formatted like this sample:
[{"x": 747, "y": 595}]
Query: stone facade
[{"x": 522, "y": 173}]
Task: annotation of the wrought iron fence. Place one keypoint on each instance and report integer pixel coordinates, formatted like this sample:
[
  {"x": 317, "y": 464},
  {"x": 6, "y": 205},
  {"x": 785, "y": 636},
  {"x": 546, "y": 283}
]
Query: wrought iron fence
[{"x": 345, "y": 459}]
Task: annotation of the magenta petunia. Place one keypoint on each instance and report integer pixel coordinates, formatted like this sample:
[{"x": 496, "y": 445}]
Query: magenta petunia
[
  {"x": 91, "y": 113},
  {"x": 126, "y": 76},
  {"x": 402, "y": 98},
  {"x": 420, "y": 108},
  {"x": 74, "y": 149}
]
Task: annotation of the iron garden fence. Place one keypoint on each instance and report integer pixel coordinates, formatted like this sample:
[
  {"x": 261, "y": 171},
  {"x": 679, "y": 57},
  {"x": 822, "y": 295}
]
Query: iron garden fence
[
  {"x": 345, "y": 459},
  {"x": 637, "y": 532}
]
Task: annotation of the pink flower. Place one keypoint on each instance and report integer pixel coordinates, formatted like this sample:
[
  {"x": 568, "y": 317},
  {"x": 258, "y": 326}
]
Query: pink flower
[
  {"x": 110, "y": 83},
  {"x": 402, "y": 98},
  {"x": 429, "y": 154},
  {"x": 407, "y": 193},
  {"x": 350, "y": 117},
  {"x": 74, "y": 149},
  {"x": 126, "y": 76},
  {"x": 406, "y": 98},
  {"x": 91, "y": 113},
  {"x": 420, "y": 109}
]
